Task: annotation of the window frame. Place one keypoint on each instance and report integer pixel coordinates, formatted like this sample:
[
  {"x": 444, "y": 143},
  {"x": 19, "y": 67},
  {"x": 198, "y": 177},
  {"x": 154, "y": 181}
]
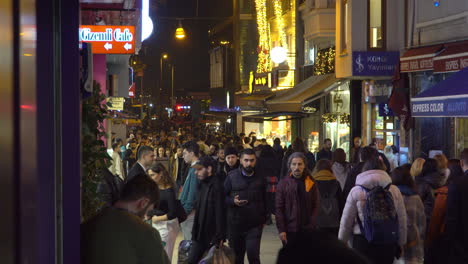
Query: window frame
[{"x": 384, "y": 27}]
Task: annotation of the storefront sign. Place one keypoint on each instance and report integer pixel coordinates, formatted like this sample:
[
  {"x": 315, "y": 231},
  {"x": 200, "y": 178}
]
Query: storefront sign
[
  {"x": 116, "y": 103},
  {"x": 451, "y": 63},
  {"x": 262, "y": 81},
  {"x": 375, "y": 63},
  {"x": 450, "y": 107},
  {"x": 385, "y": 110},
  {"x": 425, "y": 63},
  {"x": 109, "y": 39}
]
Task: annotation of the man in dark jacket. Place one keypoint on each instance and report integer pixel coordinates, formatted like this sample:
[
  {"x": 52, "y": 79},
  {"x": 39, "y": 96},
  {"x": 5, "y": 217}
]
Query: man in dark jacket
[
  {"x": 457, "y": 212},
  {"x": 145, "y": 158},
  {"x": 245, "y": 190},
  {"x": 297, "y": 200},
  {"x": 209, "y": 227},
  {"x": 325, "y": 152},
  {"x": 232, "y": 160}
]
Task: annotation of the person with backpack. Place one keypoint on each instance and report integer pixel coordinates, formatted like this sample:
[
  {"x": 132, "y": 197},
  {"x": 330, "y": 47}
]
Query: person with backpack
[
  {"x": 297, "y": 200},
  {"x": 374, "y": 217},
  {"x": 331, "y": 201},
  {"x": 416, "y": 219}
]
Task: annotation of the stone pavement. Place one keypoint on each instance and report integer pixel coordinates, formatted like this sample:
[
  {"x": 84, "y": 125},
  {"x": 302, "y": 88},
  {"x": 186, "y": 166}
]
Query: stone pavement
[{"x": 268, "y": 251}]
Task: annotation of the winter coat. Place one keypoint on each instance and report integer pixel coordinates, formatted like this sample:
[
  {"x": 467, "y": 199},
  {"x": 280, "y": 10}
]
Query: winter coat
[
  {"x": 331, "y": 200},
  {"x": 457, "y": 213},
  {"x": 356, "y": 202},
  {"x": 324, "y": 154},
  {"x": 416, "y": 225},
  {"x": 288, "y": 206},
  {"x": 271, "y": 169},
  {"x": 351, "y": 179},
  {"x": 210, "y": 217},
  {"x": 427, "y": 184},
  {"x": 437, "y": 224},
  {"x": 341, "y": 172}
]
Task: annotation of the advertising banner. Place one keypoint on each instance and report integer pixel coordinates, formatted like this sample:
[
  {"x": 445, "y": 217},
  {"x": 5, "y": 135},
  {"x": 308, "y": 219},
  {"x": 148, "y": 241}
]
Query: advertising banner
[
  {"x": 375, "y": 63},
  {"x": 109, "y": 39}
]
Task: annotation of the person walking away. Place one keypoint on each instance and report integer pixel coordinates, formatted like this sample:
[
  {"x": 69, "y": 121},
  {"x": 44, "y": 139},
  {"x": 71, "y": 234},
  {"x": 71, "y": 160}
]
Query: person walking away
[
  {"x": 427, "y": 183},
  {"x": 457, "y": 212},
  {"x": 374, "y": 217},
  {"x": 442, "y": 165},
  {"x": 415, "y": 216},
  {"x": 209, "y": 227},
  {"x": 437, "y": 227},
  {"x": 297, "y": 200},
  {"x": 355, "y": 150},
  {"x": 247, "y": 143},
  {"x": 416, "y": 167},
  {"x": 190, "y": 188},
  {"x": 116, "y": 167},
  {"x": 119, "y": 235},
  {"x": 245, "y": 191},
  {"x": 325, "y": 152},
  {"x": 271, "y": 169},
  {"x": 366, "y": 153},
  {"x": 164, "y": 217},
  {"x": 340, "y": 166},
  {"x": 331, "y": 197},
  {"x": 392, "y": 159},
  {"x": 279, "y": 151},
  {"x": 146, "y": 158}
]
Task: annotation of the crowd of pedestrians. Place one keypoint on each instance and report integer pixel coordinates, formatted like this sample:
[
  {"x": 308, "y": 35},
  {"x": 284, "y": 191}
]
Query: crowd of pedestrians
[{"x": 218, "y": 189}]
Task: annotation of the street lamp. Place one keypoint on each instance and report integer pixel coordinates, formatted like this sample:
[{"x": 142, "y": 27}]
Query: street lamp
[{"x": 180, "y": 32}]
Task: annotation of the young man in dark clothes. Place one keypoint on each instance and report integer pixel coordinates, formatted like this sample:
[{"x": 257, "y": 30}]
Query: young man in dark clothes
[
  {"x": 209, "y": 227},
  {"x": 245, "y": 190},
  {"x": 325, "y": 152}
]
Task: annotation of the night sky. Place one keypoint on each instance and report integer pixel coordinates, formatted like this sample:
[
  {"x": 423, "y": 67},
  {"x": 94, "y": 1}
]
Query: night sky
[{"x": 190, "y": 55}]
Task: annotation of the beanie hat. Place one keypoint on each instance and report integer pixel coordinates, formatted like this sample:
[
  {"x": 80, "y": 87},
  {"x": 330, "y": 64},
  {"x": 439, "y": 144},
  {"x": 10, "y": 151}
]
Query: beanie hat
[{"x": 230, "y": 151}]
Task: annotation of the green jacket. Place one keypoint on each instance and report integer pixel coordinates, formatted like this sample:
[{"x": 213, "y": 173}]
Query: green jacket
[{"x": 119, "y": 237}]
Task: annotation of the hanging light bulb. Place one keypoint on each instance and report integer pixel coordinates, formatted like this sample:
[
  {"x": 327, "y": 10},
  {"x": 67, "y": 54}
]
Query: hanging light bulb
[{"x": 180, "y": 32}]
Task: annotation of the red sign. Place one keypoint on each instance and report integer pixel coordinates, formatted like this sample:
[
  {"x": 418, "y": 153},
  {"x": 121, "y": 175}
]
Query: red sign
[
  {"x": 450, "y": 64},
  {"x": 109, "y": 39},
  {"x": 423, "y": 63},
  {"x": 131, "y": 91}
]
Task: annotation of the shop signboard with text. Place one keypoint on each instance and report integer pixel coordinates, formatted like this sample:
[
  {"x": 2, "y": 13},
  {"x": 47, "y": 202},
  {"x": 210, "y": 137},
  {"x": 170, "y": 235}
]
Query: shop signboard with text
[
  {"x": 109, "y": 39},
  {"x": 375, "y": 63}
]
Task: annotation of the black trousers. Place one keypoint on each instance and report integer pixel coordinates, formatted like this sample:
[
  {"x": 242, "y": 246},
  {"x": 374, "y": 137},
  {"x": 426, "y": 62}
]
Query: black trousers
[
  {"x": 248, "y": 241},
  {"x": 196, "y": 251},
  {"x": 377, "y": 254}
]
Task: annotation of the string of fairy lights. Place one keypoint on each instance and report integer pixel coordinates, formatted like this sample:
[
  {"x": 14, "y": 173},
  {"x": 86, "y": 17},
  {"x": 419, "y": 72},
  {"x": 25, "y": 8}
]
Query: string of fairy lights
[{"x": 263, "y": 61}]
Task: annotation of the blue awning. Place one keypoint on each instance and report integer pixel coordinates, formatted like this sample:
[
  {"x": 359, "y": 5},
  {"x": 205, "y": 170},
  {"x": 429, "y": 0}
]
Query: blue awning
[{"x": 448, "y": 98}]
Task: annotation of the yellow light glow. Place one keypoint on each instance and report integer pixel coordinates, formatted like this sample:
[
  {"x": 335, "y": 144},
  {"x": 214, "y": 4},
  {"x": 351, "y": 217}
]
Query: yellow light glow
[
  {"x": 165, "y": 56},
  {"x": 263, "y": 61},
  {"x": 180, "y": 33},
  {"x": 27, "y": 54}
]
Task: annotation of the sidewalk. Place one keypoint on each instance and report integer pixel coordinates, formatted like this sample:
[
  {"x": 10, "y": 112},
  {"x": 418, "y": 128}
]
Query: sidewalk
[{"x": 268, "y": 251}]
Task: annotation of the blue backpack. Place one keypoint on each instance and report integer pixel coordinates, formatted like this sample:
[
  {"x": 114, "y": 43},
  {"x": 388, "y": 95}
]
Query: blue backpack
[{"x": 380, "y": 223}]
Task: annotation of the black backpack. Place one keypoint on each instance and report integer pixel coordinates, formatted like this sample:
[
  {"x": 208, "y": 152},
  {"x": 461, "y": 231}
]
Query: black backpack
[{"x": 329, "y": 210}]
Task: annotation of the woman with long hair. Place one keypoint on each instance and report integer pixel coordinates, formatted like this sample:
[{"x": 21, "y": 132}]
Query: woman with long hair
[
  {"x": 416, "y": 167},
  {"x": 340, "y": 166},
  {"x": 373, "y": 175},
  {"x": 415, "y": 220},
  {"x": 164, "y": 218}
]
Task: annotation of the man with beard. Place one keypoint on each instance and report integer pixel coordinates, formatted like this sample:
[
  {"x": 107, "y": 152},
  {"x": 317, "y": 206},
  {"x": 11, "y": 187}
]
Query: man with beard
[
  {"x": 209, "y": 227},
  {"x": 297, "y": 200},
  {"x": 232, "y": 160},
  {"x": 245, "y": 190},
  {"x": 119, "y": 235}
]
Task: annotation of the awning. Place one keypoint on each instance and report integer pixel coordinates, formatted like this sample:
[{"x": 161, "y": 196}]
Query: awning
[
  {"x": 292, "y": 100},
  {"x": 448, "y": 98},
  {"x": 257, "y": 97},
  {"x": 419, "y": 59},
  {"x": 453, "y": 58},
  {"x": 273, "y": 116}
]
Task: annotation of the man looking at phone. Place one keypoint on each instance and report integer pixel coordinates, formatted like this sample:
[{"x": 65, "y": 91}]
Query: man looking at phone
[{"x": 245, "y": 190}]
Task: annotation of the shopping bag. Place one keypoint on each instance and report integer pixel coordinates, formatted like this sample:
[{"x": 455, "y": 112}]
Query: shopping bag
[
  {"x": 184, "y": 251},
  {"x": 221, "y": 255}
]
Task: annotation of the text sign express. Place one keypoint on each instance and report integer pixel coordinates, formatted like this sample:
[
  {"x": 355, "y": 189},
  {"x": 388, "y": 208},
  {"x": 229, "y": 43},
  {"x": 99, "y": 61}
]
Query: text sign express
[{"x": 109, "y": 39}]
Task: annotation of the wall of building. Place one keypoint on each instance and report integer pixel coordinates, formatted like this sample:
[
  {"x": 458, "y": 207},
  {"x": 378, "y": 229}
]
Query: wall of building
[
  {"x": 118, "y": 65},
  {"x": 448, "y": 22}
]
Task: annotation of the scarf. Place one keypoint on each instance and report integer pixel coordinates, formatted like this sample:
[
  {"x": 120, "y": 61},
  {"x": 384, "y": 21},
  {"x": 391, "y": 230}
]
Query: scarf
[
  {"x": 308, "y": 182},
  {"x": 324, "y": 175}
]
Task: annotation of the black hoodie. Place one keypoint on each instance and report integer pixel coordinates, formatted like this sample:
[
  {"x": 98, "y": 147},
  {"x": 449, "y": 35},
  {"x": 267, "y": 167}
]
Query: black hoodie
[{"x": 427, "y": 185}]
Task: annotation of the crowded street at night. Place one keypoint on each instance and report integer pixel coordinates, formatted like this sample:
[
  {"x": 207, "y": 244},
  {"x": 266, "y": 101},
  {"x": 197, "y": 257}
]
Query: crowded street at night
[{"x": 234, "y": 131}]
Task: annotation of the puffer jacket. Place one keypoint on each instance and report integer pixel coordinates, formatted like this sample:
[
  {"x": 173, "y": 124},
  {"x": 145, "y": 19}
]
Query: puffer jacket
[
  {"x": 427, "y": 185},
  {"x": 416, "y": 225},
  {"x": 357, "y": 200}
]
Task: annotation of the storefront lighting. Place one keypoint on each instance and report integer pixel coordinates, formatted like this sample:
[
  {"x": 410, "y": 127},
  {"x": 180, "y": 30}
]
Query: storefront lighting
[
  {"x": 279, "y": 55},
  {"x": 436, "y": 3}
]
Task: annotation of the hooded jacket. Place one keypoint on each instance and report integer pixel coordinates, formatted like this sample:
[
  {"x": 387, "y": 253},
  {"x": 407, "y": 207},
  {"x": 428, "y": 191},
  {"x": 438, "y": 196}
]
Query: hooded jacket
[
  {"x": 331, "y": 200},
  {"x": 427, "y": 185},
  {"x": 356, "y": 202}
]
